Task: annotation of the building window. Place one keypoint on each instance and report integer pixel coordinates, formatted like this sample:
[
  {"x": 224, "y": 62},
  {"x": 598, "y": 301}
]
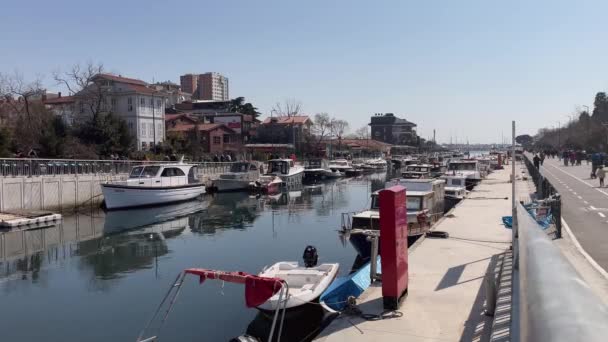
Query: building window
[
  {"x": 144, "y": 145},
  {"x": 113, "y": 102},
  {"x": 130, "y": 124},
  {"x": 81, "y": 108},
  {"x": 158, "y": 103},
  {"x": 151, "y": 129},
  {"x": 143, "y": 129},
  {"x": 151, "y": 102},
  {"x": 160, "y": 129},
  {"x": 130, "y": 104},
  {"x": 226, "y": 139},
  {"x": 142, "y": 102},
  {"x": 217, "y": 140}
]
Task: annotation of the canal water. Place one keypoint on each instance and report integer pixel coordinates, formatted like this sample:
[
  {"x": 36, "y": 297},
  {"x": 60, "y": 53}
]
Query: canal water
[{"x": 100, "y": 276}]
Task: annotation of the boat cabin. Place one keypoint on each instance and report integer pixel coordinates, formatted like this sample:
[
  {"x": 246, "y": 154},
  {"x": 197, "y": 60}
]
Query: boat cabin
[
  {"x": 417, "y": 171},
  {"x": 162, "y": 175},
  {"x": 436, "y": 186},
  {"x": 280, "y": 166},
  {"x": 317, "y": 163},
  {"x": 462, "y": 165},
  {"x": 243, "y": 169}
]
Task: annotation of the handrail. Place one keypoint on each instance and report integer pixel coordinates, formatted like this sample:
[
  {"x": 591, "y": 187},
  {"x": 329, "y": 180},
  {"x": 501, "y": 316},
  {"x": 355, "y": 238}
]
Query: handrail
[
  {"x": 12, "y": 167},
  {"x": 555, "y": 302}
]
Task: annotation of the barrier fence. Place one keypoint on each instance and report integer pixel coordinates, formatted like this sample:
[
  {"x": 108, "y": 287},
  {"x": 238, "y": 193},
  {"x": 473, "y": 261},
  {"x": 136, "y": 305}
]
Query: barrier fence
[
  {"x": 546, "y": 193},
  {"x": 555, "y": 303},
  {"x": 53, "y": 167}
]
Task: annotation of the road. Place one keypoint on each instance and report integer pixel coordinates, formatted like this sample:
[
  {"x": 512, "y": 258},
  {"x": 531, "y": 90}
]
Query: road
[{"x": 584, "y": 206}]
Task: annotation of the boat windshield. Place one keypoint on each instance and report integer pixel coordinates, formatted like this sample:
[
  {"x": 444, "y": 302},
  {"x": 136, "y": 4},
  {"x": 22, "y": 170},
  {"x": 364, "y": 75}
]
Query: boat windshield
[
  {"x": 456, "y": 181},
  {"x": 340, "y": 162},
  {"x": 413, "y": 203},
  {"x": 239, "y": 167},
  {"x": 136, "y": 172},
  {"x": 315, "y": 163},
  {"x": 462, "y": 166},
  {"x": 279, "y": 166},
  {"x": 150, "y": 171}
]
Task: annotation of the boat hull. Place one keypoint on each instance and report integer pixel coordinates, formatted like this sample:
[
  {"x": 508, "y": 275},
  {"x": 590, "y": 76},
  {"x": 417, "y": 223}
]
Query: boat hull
[
  {"x": 122, "y": 196},
  {"x": 223, "y": 185}
]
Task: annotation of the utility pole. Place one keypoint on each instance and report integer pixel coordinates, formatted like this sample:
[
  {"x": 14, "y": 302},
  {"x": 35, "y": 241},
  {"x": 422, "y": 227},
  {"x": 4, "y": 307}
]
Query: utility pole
[{"x": 154, "y": 123}]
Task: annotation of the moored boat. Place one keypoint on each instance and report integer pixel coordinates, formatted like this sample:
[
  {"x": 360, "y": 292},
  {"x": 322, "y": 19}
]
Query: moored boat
[
  {"x": 154, "y": 184},
  {"x": 289, "y": 172},
  {"x": 239, "y": 177}
]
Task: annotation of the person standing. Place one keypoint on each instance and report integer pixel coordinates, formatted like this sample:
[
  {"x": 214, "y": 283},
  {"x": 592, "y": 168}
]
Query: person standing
[
  {"x": 601, "y": 173},
  {"x": 536, "y": 161}
]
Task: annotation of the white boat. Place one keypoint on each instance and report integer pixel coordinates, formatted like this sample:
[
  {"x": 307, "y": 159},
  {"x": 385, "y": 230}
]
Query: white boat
[
  {"x": 319, "y": 169},
  {"x": 377, "y": 164},
  {"x": 289, "y": 172},
  {"x": 154, "y": 184},
  {"x": 239, "y": 177},
  {"x": 306, "y": 284},
  {"x": 469, "y": 169},
  {"x": 340, "y": 165}
]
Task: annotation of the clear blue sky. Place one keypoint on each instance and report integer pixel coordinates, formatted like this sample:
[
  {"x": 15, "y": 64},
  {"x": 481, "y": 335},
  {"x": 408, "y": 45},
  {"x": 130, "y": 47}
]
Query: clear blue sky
[{"x": 465, "y": 68}]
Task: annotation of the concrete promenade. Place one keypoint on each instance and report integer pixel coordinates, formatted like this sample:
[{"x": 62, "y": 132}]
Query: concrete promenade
[{"x": 446, "y": 292}]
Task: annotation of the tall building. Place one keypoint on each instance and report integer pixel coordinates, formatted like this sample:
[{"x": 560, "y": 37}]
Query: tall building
[
  {"x": 392, "y": 130},
  {"x": 189, "y": 83},
  {"x": 208, "y": 86}
]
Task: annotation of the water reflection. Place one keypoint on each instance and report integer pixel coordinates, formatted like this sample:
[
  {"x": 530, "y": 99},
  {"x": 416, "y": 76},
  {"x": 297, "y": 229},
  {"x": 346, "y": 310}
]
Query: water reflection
[{"x": 121, "y": 262}]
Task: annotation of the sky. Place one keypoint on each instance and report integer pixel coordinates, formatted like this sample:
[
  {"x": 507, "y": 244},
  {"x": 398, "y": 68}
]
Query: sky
[{"x": 463, "y": 68}]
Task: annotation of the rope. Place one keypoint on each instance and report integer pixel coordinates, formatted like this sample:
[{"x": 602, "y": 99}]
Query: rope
[{"x": 353, "y": 310}]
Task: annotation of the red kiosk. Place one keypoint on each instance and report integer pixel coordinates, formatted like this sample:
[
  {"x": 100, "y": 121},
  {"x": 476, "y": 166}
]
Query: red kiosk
[{"x": 393, "y": 246}]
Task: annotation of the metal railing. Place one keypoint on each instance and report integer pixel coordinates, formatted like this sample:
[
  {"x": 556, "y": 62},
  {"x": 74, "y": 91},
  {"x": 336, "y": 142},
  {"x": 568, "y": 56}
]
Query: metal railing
[
  {"x": 546, "y": 193},
  {"x": 52, "y": 167},
  {"x": 555, "y": 304}
]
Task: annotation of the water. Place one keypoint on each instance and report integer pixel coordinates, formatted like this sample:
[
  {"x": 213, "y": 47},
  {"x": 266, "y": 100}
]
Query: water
[{"x": 100, "y": 276}]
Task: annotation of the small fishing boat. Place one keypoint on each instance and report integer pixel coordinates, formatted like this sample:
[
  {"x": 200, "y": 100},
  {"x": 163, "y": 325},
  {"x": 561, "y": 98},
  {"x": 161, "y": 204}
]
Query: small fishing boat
[
  {"x": 268, "y": 184},
  {"x": 453, "y": 196},
  {"x": 335, "y": 298},
  {"x": 287, "y": 170},
  {"x": 239, "y": 177},
  {"x": 319, "y": 169},
  {"x": 306, "y": 283},
  {"x": 154, "y": 184},
  {"x": 340, "y": 165}
]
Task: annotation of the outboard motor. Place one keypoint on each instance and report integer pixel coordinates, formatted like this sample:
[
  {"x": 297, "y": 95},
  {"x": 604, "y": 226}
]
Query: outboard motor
[{"x": 310, "y": 256}]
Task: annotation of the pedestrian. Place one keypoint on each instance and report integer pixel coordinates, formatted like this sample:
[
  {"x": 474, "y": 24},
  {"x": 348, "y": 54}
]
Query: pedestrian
[
  {"x": 215, "y": 158},
  {"x": 565, "y": 157},
  {"x": 601, "y": 173},
  {"x": 542, "y": 158},
  {"x": 221, "y": 158},
  {"x": 572, "y": 158},
  {"x": 536, "y": 161},
  {"x": 579, "y": 157}
]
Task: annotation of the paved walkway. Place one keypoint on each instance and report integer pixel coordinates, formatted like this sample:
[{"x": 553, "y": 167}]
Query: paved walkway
[
  {"x": 446, "y": 295},
  {"x": 584, "y": 206}
]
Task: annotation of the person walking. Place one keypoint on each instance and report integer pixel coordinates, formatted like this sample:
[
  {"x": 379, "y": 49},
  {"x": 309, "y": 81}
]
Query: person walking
[
  {"x": 572, "y": 158},
  {"x": 601, "y": 173},
  {"x": 542, "y": 158},
  {"x": 536, "y": 161}
]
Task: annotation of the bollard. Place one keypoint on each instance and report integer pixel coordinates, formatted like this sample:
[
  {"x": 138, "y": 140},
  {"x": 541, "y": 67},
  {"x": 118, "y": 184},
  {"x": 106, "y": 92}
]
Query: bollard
[{"x": 373, "y": 274}]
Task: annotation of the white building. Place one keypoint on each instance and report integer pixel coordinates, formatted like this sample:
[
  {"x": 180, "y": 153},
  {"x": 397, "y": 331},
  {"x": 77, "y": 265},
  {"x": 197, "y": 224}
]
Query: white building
[{"x": 142, "y": 107}]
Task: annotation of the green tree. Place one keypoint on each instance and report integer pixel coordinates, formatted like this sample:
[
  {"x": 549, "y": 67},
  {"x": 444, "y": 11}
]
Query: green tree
[
  {"x": 524, "y": 139},
  {"x": 109, "y": 133},
  {"x": 238, "y": 105}
]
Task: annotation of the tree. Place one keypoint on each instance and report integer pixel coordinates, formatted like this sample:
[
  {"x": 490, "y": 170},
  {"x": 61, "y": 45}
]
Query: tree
[
  {"x": 289, "y": 107},
  {"x": 5, "y": 142},
  {"x": 600, "y": 112},
  {"x": 524, "y": 139},
  {"x": 360, "y": 133},
  {"x": 87, "y": 87},
  {"x": 107, "y": 132},
  {"x": 238, "y": 105}
]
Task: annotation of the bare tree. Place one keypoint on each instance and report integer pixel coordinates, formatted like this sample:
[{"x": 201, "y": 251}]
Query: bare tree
[
  {"x": 339, "y": 127},
  {"x": 360, "y": 133},
  {"x": 19, "y": 94},
  {"x": 289, "y": 107},
  {"x": 83, "y": 83}
]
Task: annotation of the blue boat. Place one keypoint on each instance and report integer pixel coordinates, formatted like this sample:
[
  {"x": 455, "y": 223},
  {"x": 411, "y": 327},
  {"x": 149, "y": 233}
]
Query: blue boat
[{"x": 336, "y": 295}]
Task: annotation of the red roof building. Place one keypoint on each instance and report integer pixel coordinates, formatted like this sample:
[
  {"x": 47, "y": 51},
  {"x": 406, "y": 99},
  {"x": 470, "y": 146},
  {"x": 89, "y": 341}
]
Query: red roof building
[{"x": 213, "y": 138}]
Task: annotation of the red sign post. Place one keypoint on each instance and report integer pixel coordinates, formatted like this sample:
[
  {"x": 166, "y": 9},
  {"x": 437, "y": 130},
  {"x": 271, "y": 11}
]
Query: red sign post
[{"x": 393, "y": 246}]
